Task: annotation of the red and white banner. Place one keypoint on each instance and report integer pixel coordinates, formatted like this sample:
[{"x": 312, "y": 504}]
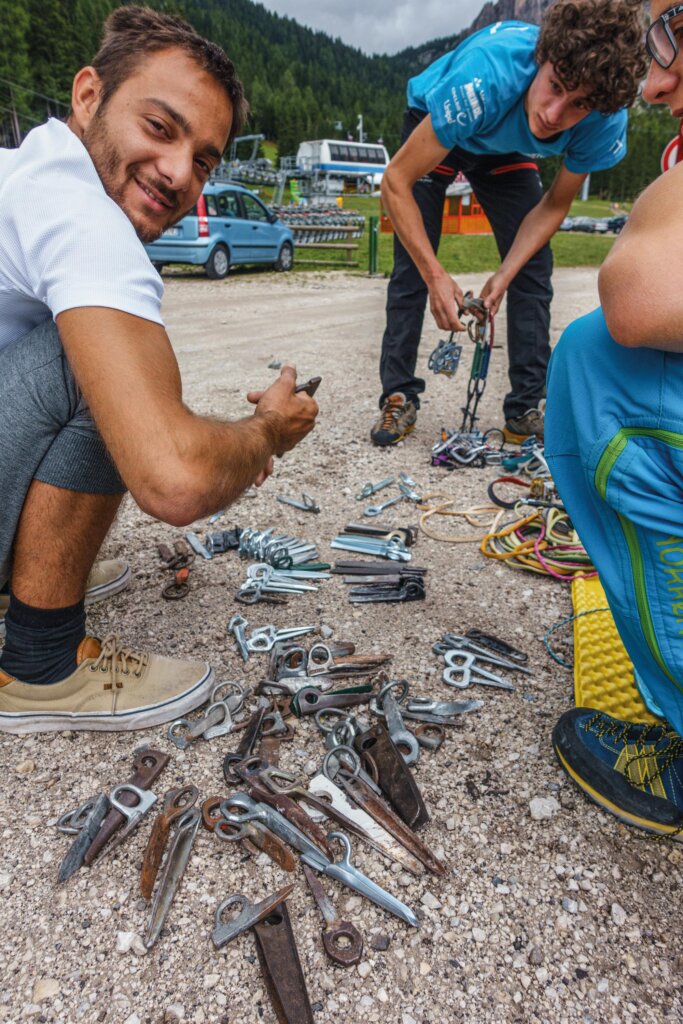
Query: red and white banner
[{"x": 673, "y": 152}]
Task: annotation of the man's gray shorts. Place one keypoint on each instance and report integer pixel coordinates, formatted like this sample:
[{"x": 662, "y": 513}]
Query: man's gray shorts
[{"x": 46, "y": 432}]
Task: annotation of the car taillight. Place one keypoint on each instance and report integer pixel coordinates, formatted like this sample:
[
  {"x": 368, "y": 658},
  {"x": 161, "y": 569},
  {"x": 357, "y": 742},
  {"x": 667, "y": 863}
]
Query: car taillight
[{"x": 202, "y": 219}]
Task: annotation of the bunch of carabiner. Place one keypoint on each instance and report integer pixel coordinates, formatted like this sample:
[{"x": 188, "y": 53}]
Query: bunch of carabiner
[
  {"x": 465, "y": 448},
  {"x": 480, "y": 331}
]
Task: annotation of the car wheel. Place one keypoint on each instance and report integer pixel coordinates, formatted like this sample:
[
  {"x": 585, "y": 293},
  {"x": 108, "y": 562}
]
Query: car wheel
[
  {"x": 158, "y": 267},
  {"x": 218, "y": 263},
  {"x": 285, "y": 257}
]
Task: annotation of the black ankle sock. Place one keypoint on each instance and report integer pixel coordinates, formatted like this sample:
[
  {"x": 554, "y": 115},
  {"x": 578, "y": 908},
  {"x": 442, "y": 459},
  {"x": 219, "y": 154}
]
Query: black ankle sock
[{"x": 41, "y": 643}]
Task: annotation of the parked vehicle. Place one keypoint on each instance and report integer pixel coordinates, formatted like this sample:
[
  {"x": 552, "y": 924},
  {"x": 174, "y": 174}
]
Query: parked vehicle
[
  {"x": 595, "y": 225},
  {"x": 590, "y": 224},
  {"x": 229, "y": 225},
  {"x": 617, "y": 222}
]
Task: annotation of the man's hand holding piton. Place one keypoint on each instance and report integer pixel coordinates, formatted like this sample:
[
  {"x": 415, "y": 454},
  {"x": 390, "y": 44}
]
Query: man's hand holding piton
[
  {"x": 445, "y": 299},
  {"x": 290, "y": 414},
  {"x": 493, "y": 292}
]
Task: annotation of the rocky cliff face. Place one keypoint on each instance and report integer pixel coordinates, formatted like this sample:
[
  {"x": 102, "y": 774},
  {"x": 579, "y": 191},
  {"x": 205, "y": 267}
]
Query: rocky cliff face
[
  {"x": 508, "y": 10},
  {"x": 494, "y": 10}
]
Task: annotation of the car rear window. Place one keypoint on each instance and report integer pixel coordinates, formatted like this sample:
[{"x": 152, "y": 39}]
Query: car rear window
[{"x": 210, "y": 207}]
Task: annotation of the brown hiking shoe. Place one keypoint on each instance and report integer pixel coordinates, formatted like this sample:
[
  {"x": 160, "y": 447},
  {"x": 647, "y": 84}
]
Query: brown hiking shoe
[
  {"x": 106, "y": 579},
  {"x": 397, "y": 418},
  {"x": 113, "y": 689},
  {"x": 523, "y": 427}
]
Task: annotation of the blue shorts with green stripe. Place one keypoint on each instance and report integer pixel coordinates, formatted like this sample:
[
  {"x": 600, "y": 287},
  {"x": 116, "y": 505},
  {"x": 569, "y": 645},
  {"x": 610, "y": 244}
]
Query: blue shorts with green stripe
[{"x": 614, "y": 443}]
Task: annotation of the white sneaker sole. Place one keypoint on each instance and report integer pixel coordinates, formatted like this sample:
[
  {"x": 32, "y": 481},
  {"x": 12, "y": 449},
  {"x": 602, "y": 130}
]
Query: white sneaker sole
[
  {"x": 108, "y": 589},
  {"x": 20, "y": 723},
  {"x": 96, "y": 593}
]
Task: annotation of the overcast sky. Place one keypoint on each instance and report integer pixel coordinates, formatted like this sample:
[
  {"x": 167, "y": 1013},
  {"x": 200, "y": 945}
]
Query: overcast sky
[{"x": 381, "y": 26}]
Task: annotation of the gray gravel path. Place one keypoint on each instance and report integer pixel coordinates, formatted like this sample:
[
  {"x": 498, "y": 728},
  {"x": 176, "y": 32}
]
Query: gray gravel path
[{"x": 562, "y": 920}]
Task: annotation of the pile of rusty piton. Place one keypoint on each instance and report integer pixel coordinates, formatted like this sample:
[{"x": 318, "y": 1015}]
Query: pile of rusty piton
[{"x": 363, "y": 791}]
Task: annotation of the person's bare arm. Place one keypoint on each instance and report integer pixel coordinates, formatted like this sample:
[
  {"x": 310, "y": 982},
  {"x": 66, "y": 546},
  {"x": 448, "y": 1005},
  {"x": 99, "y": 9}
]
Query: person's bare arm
[
  {"x": 537, "y": 228},
  {"x": 638, "y": 282},
  {"x": 418, "y": 155},
  {"x": 178, "y": 466}
]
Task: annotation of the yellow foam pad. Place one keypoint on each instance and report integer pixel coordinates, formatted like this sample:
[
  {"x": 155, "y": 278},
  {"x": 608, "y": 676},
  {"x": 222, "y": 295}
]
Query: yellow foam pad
[{"x": 603, "y": 671}]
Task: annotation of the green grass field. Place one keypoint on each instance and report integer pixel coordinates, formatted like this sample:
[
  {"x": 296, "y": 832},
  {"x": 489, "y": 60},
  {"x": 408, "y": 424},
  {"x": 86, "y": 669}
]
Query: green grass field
[
  {"x": 460, "y": 254},
  {"x": 269, "y": 150},
  {"x": 475, "y": 253}
]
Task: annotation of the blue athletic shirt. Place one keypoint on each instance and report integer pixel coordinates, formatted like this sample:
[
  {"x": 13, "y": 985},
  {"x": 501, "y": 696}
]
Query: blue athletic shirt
[{"x": 475, "y": 96}]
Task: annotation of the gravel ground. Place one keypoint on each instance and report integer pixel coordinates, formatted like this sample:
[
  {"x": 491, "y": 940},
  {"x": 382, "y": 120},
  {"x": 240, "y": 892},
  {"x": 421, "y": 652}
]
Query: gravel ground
[{"x": 564, "y": 919}]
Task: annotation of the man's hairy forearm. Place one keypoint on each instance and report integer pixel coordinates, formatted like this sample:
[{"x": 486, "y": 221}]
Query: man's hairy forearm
[
  {"x": 177, "y": 465},
  {"x": 217, "y": 461},
  {"x": 231, "y": 455}
]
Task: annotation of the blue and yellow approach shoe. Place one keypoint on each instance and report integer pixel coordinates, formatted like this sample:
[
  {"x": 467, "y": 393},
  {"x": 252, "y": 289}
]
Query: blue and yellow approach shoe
[{"x": 634, "y": 771}]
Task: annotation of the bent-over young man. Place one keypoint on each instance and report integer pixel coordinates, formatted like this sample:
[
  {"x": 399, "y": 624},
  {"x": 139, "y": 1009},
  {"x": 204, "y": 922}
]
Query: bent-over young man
[
  {"x": 506, "y": 97},
  {"x": 614, "y": 442},
  {"x": 90, "y": 392}
]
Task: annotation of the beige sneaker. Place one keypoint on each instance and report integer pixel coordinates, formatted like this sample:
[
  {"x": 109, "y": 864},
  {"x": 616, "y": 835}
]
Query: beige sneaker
[
  {"x": 105, "y": 579},
  {"x": 113, "y": 689}
]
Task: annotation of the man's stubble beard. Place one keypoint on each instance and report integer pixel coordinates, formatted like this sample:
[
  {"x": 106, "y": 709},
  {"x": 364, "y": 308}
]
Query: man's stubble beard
[{"x": 108, "y": 164}]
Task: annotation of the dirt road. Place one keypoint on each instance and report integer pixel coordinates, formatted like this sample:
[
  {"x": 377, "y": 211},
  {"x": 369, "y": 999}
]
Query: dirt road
[{"x": 570, "y": 919}]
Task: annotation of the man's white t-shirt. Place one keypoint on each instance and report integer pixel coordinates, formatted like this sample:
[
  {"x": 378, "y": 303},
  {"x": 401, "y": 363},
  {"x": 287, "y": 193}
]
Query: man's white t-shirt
[{"x": 63, "y": 242}]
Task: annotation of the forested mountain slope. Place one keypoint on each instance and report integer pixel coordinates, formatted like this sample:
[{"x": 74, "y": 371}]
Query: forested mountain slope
[{"x": 300, "y": 82}]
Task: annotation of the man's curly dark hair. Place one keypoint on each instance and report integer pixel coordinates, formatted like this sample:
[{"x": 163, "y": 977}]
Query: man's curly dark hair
[{"x": 598, "y": 46}]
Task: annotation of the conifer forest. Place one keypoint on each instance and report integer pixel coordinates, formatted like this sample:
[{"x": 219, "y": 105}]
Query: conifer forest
[{"x": 301, "y": 84}]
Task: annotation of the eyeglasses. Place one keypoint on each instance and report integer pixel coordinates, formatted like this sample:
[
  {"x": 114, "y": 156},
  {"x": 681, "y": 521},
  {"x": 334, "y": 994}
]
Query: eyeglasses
[{"x": 660, "y": 41}]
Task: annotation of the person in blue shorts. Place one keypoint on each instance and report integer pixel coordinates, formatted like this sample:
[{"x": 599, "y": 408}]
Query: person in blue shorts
[
  {"x": 506, "y": 97},
  {"x": 614, "y": 442}
]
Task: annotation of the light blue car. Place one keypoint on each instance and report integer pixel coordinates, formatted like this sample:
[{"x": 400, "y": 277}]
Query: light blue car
[{"x": 229, "y": 225}]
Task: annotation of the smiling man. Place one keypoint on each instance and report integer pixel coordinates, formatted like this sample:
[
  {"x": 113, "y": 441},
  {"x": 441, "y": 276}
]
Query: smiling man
[
  {"x": 615, "y": 446},
  {"x": 90, "y": 391},
  {"x": 507, "y": 96}
]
